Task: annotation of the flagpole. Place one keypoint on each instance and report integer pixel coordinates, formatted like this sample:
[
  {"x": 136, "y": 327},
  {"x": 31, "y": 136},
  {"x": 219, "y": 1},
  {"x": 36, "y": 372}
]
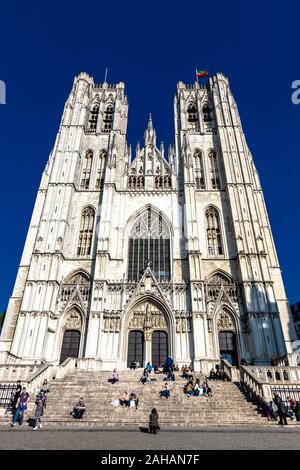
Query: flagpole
[
  {"x": 196, "y": 75},
  {"x": 105, "y": 76}
]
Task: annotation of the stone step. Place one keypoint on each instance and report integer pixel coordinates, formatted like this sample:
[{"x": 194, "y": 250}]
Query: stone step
[{"x": 227, "y": 406}]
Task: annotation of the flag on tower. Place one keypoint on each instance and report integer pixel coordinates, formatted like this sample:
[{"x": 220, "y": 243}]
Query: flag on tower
[{"x": 201, "y": 73}]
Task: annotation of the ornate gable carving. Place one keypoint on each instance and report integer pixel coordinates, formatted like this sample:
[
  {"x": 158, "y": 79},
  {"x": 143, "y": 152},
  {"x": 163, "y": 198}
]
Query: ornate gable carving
[
  {"x": 225, "y": 321},
  {"x": 73, "y": 321}
]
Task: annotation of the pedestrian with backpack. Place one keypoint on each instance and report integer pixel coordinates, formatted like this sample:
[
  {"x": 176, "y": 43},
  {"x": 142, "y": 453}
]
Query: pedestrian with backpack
[{"x": 40, "y": 403}]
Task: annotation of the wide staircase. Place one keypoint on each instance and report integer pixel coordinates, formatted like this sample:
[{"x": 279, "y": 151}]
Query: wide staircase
[{"x": 228, "y": 406}]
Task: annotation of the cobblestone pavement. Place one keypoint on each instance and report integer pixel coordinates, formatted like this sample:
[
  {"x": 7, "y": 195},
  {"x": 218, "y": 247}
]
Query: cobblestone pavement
[{"x": 209, "y": 439}]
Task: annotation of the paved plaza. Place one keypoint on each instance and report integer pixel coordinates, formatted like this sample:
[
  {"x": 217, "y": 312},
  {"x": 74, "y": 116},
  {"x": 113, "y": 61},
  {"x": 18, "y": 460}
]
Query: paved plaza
[{"x": 208, "y": 439}]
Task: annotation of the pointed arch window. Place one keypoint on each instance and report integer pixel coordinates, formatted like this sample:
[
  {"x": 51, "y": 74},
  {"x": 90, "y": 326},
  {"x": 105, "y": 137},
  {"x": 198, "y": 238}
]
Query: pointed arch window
[
  {"x": 93, "y": 118},
  {"x": 149, "y": 244},
  {"x": 108, "y": 118},
  {"x": 101, "y": 170},
  {"x": 198, "y": 169},
  {"x": 214, "y": 239},
  {"x": 206, "y": 113},
  {"x": 86, "y": 232},
  {"x": 214, "y": 172},
  {"x": 86, "y": 170},
  {"x": 136, "y": 182},
  {"x": 167, "y": 182},
  {"x": 192, "y": 114}
]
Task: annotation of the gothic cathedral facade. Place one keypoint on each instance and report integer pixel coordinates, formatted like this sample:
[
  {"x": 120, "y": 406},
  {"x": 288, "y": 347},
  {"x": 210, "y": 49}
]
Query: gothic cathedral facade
[{"x": 139, "y": 257}]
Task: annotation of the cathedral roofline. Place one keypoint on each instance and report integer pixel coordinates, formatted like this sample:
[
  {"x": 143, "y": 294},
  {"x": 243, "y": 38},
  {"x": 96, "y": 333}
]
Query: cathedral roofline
[
  {"x": 202, "y": 86},
  {"x": 104, "y": 85}
]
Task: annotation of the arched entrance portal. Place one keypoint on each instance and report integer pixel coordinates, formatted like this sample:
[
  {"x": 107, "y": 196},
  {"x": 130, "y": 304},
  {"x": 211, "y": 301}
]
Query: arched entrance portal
[
  {"x": 147, "y": 334},
  {"x": 227, "y": 336},
  {"x": 70, "y": 345},
  {"x": 135, "y": 347},
  {"x": 72, "y": 328},
  {"x": 227, "y": 344}
]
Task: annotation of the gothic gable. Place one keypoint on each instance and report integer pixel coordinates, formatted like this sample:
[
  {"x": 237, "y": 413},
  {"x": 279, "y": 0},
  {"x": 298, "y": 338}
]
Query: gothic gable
[{"x": 148, "y": 285}]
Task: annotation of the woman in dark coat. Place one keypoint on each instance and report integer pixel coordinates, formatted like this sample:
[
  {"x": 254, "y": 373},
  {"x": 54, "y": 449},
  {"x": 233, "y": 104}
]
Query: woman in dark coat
[
  {"x": 282, "y": 409},
  {"x": 153, "y": 421}
]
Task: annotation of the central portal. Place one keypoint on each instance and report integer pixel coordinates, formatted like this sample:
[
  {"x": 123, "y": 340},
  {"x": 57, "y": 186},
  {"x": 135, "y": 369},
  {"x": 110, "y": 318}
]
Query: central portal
[{"x": 147, "y": 335}]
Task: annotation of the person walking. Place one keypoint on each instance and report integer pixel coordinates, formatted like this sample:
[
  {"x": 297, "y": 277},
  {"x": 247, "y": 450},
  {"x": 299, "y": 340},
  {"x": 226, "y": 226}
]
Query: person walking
[
  {"x": 153, "y": 421},
  {"x": 16, "y": 396},
  {"x": 282, "y": 410},
  {"x": 21, "y": 406},
  {"x": 39, "y": 410},
  {"x": 297, "y": 411},
  {"x": 274, "y": 410}
]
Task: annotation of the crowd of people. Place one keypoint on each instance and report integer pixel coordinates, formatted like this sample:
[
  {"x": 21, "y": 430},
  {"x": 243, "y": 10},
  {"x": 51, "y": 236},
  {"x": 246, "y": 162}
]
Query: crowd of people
[
  {"x": 19, "y": 402},
  {"x": 129, "y": 400},
  {"x": 276, "y": 408},
  {"x": 216, "y": 373},
  {"x": 197, "y": 389}
]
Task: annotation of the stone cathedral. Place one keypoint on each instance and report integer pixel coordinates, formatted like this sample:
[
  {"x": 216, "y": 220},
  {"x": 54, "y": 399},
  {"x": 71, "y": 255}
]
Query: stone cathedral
[{"x": 145, "y": 254}]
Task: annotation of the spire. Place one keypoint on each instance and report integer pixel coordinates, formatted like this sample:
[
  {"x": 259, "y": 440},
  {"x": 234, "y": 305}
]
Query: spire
[{"x": 150, "y": 134}]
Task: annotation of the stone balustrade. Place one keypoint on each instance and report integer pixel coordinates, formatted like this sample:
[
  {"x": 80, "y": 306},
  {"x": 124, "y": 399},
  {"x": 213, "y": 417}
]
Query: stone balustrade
[
  {"x": 14, "y": 372},
  {"x": 36, "y": 379},
  {"x": 232, "y": 372},
  {"x": 275, "y": 374},
  {"x": 207, "y": 364},
  {"x": 8, "y": 358}
]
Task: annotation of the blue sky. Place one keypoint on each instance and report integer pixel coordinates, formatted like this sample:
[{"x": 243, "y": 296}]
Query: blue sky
[{"x": 150, "y": 46}]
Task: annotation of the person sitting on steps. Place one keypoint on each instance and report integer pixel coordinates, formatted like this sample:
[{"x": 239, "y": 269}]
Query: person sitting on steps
[
  {"x": 198, "y": 390},
  {"x": 144, "y": 377},
  {"x": 125, "y": 401},
  {"x": 133, "y": 365},
  {"x": 79, "y": 409},
  {"x": 189, "y": 389},
  {"x": 45, "y": 386},
  {"x": 133, "y": 397},
  {"x": 184, "y": 370},
  {"x": 114, "y": 377},
  {"x": 206, "y": 388},
  {"x": 165, "y": 393}
]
